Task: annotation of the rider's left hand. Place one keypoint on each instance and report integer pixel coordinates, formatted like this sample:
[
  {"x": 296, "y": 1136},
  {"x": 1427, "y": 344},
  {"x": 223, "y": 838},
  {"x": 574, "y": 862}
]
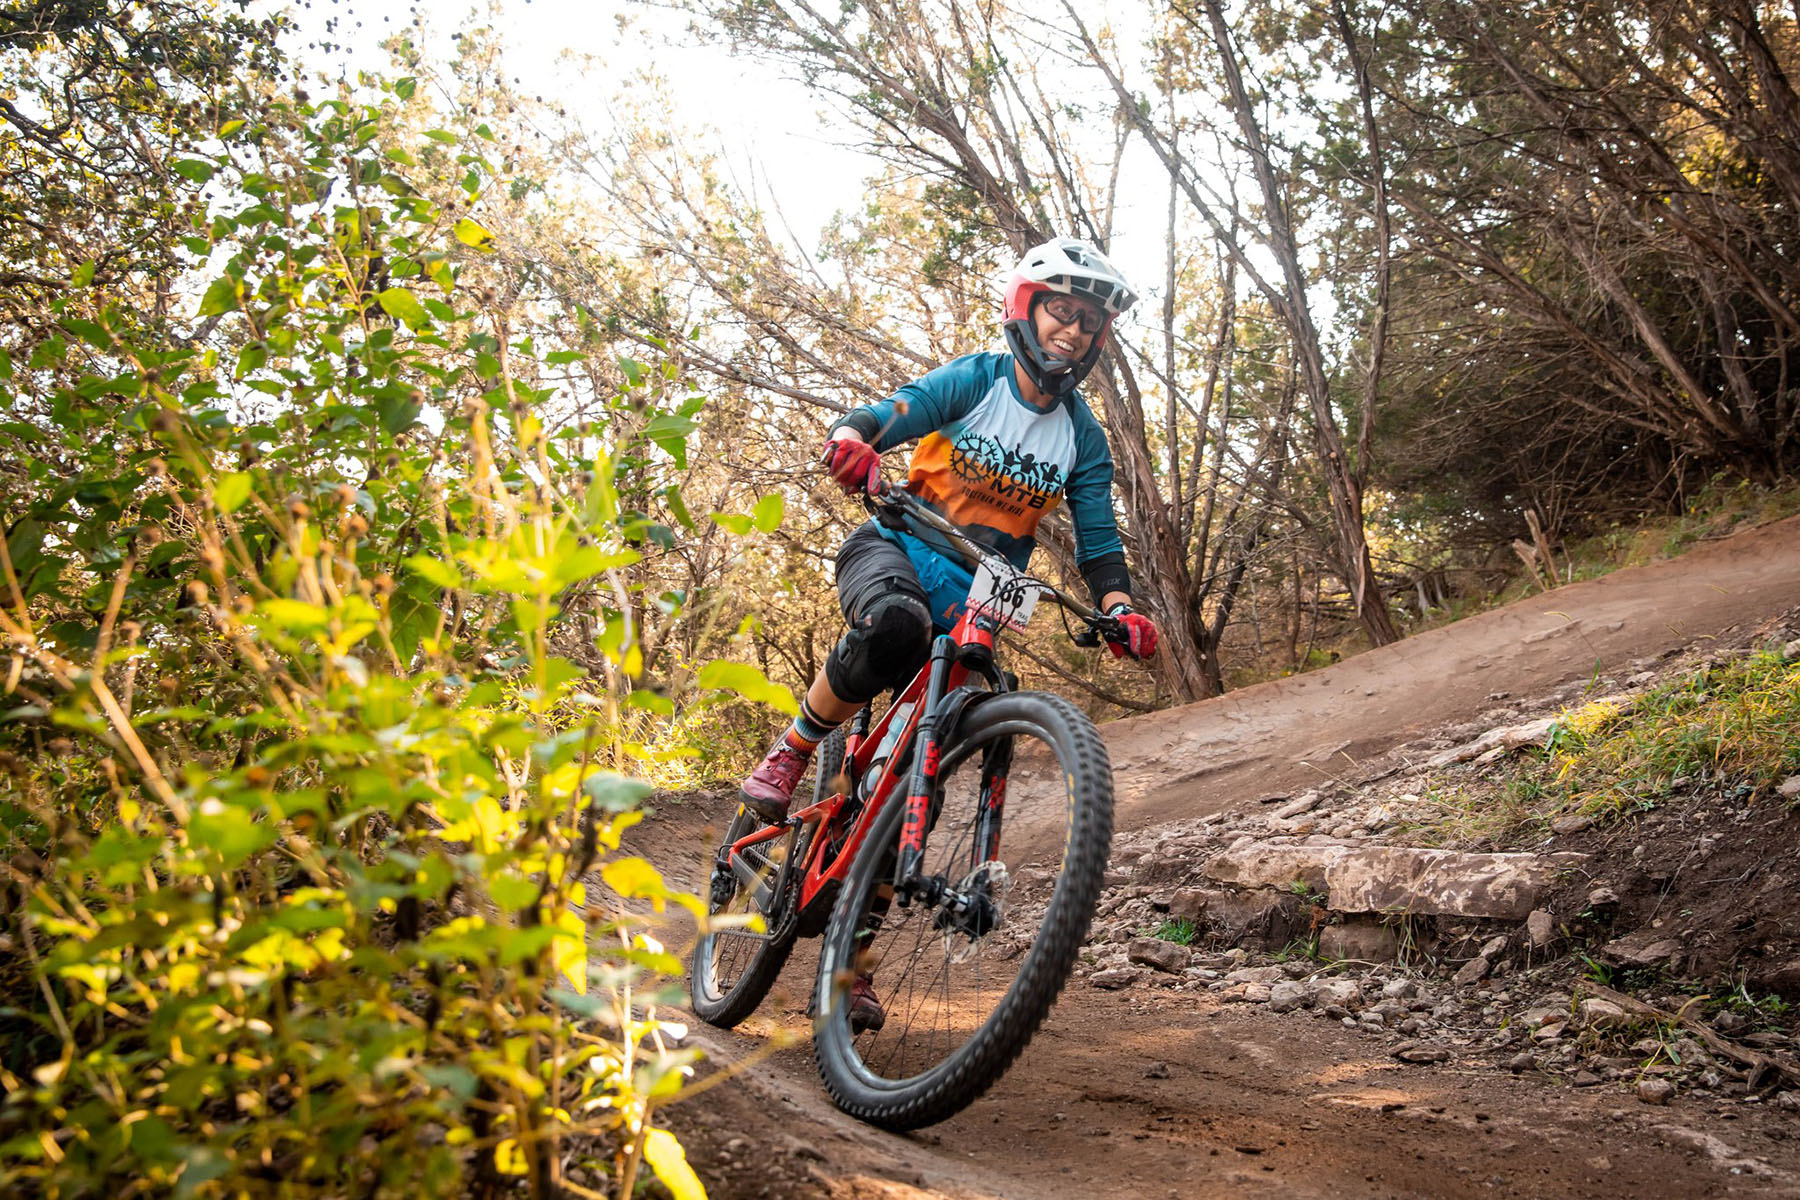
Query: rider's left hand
[{"x": 1137, "y": 637}]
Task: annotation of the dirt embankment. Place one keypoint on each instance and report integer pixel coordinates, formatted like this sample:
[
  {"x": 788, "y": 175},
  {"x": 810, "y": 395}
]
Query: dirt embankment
[{"x": 1193, "y": 1082}]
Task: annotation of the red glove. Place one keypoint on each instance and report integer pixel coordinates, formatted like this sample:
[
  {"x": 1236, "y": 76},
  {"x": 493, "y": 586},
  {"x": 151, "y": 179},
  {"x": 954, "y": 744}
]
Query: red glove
[
  {"x": 1137, "y": 638},
  {"x": 856, "y": 466}
]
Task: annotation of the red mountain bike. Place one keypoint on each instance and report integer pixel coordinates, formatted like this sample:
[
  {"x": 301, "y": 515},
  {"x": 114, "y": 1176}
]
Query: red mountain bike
[{"x": 899, "y": 862}]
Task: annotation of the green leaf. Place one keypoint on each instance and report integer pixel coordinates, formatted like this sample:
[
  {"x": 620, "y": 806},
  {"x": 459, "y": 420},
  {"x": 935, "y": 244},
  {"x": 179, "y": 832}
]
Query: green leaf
[
  {"x": 230, "y": 832},
  {"x": 588, "y": 561},
  {"x": 471, "y": 233},
  {"x": 402, "y": 305},
  {"x": 438, "y": 572},
  {"x": 613, "y": 792},
  {"x": 403, "y": 88},
  {"x": 732, "y": 522},
  {"x": 194, "y": 169},
  {"x": 89, "y": 332},
  {"x": 767, "y": 513},
  {"x": 297, "y": 616},
  {"x": 221, "y": 297},
  {"x": 650, "y": 701},
  {"x": 231, "y": 491},
  {"x": 83, "y": 275},
  {"x": 747, "y": 682},
  {"x": 678, "y": 506}
]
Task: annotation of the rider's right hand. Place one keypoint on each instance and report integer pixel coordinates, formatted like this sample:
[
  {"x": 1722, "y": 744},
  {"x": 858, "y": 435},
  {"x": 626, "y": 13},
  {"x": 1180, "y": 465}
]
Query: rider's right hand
[{"x": 855, "y": 465}]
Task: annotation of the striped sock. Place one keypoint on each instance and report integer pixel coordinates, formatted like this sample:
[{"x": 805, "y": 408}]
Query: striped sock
[{"x": 809, "y": 729}]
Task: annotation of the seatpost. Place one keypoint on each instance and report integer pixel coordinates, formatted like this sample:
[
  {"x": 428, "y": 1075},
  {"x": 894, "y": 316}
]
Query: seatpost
[{"x": 924, "y": 771}]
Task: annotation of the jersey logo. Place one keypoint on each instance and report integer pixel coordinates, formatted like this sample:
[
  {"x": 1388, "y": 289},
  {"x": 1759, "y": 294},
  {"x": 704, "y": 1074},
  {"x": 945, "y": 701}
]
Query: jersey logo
[{"x": 984, "y": 463}]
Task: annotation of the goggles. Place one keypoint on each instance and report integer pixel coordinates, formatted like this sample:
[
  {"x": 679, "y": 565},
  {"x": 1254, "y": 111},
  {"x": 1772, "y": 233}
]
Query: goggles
[{"x": 1066, "y": 310}]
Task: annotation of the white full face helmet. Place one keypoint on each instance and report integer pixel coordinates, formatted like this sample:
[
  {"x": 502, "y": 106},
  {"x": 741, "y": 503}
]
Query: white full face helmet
[{"x": 1070, "y": 267}]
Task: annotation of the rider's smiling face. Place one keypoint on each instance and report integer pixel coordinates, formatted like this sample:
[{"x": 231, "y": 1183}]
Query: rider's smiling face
[{"x": 1067, "y": 325}]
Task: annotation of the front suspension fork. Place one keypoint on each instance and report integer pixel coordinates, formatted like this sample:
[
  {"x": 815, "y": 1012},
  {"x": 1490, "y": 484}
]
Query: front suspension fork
[{"x": 922, "y": 783}]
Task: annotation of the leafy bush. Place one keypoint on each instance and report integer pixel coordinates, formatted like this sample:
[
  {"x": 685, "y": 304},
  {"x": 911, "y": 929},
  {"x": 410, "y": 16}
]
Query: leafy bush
[{"x": 311, "y": 827}]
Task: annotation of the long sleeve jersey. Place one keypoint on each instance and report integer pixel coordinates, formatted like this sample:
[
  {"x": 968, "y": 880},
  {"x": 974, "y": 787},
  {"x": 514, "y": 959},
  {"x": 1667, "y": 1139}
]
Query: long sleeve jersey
[{"x": 997, "y": 465}]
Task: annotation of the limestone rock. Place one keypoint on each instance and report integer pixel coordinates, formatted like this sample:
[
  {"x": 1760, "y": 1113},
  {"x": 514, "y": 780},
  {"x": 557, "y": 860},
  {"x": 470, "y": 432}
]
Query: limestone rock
[
  {"x": 1540, "y": 927},
  {"x": 1158, "y": 954},
  {"x": 1361, "y": 940},
  {"x": 1473, "y": 971},
  {"x": 1602, "y": 1014},
  {"x": 1115, "y": 978},
  {"x": 1403, "y": 879},
  {"x": 1189, "y": 903},
  {"x": 1261, "y": 865},
  {"x": 1510, "y": 738},
  {"x": 1288, "y": 995},
  {"x": 1420, "y": 1052},
  {"x": 1300, "y": 804},
  {"x": 1340, "y": 993},
  {"x": 1645, "y": 948}
]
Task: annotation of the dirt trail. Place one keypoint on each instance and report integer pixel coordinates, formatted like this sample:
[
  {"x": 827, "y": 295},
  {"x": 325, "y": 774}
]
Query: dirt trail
[
  {"x": 1307, "y": 729},
  {"x": 1156, "y": 1093}
]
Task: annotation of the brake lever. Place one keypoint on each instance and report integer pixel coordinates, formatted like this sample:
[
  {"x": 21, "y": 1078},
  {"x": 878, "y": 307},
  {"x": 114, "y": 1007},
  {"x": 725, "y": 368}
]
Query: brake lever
[
  {"x": 889, "y": 514},
  {"x": 1097, "y": 631}
]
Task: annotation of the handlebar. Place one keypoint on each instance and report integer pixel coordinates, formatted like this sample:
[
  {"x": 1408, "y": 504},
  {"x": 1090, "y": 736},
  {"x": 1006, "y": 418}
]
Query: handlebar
[{"x": 889, "y": 503}]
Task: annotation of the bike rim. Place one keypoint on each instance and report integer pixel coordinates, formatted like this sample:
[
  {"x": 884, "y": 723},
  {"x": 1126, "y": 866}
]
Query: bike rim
[{"x": 727, "y": 954}]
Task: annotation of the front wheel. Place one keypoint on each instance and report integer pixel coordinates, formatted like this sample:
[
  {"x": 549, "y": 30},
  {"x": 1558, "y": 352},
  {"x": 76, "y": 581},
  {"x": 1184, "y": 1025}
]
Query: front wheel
[{"x": 967, "y": 975}]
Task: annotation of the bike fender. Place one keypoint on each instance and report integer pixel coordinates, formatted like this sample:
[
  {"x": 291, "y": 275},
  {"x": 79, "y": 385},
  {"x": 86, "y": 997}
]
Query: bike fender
[{"x": 956, "y": 706}]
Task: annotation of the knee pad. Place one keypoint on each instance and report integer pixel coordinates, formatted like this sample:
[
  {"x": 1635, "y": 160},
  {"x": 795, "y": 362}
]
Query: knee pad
[{"x": 885, "y": 647}]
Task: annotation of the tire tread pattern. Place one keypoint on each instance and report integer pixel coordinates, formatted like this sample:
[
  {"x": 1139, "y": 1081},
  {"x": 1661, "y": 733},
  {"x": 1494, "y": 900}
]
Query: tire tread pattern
[{"x": 1063, "y": 931}]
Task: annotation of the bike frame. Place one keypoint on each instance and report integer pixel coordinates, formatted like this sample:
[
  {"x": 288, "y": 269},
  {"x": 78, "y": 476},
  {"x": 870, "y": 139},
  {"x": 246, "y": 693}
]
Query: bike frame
[{"x": 967, "y": 648}]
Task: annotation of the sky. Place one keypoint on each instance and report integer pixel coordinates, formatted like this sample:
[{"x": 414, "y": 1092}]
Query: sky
[{"x": 770, "y": 129}]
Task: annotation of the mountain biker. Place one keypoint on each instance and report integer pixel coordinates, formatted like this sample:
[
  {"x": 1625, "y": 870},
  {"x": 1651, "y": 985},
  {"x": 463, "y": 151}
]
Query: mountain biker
[{"x": 1003, "y": 438}]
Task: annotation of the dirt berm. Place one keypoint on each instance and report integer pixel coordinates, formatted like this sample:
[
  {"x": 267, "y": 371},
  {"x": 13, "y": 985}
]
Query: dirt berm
[{"x": 1393, "y": 1082}]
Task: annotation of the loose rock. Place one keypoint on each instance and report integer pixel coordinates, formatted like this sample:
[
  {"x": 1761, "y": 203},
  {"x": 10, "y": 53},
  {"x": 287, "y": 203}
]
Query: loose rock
[
  {"x": 1419, "y": 1052},
  {"x": 1158, "y": 954},
  {"x": 1473, "y": 971},
  {"x": 1362, "y": 941},
  {"x": 1288, "y": 995},
  {"x": 1189, "y": 903},
  {"x": 1602, "y": 1014},
  {"x": 1655, "y": 1091},
  {"x": 1540, "y": 927},
  {"x": 1115, "y": 978}
]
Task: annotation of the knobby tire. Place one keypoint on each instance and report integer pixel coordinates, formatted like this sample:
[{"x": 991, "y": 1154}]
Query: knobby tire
[
  {"x": 942, "y": 1090},
  {"x": 724, "y": 995}
]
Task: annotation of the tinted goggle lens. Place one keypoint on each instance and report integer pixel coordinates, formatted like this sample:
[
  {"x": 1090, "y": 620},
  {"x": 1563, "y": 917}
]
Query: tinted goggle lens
[{"x": 1070, "y": 312}]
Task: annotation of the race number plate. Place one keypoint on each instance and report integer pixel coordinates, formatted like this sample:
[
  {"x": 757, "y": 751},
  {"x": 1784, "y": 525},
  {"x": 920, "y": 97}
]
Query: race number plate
[{"x": 1002, "y": 592}]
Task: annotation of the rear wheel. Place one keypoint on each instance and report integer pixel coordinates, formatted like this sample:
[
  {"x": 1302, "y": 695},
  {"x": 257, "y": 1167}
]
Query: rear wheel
[
  {"x": 734, "y": 967},
  {"x": 968, "y": 974}
]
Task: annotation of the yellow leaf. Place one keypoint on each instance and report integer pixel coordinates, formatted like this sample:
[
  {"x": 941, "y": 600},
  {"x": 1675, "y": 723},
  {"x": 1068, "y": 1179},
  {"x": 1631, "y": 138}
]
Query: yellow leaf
[
  {"x": 470, "y": 233},
  {"x": 634, "y": 877},
  {"x": 666, "y": 1157},
  {"x": 509, "y": 1158},
  {"x": 568, "y": 951}
]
